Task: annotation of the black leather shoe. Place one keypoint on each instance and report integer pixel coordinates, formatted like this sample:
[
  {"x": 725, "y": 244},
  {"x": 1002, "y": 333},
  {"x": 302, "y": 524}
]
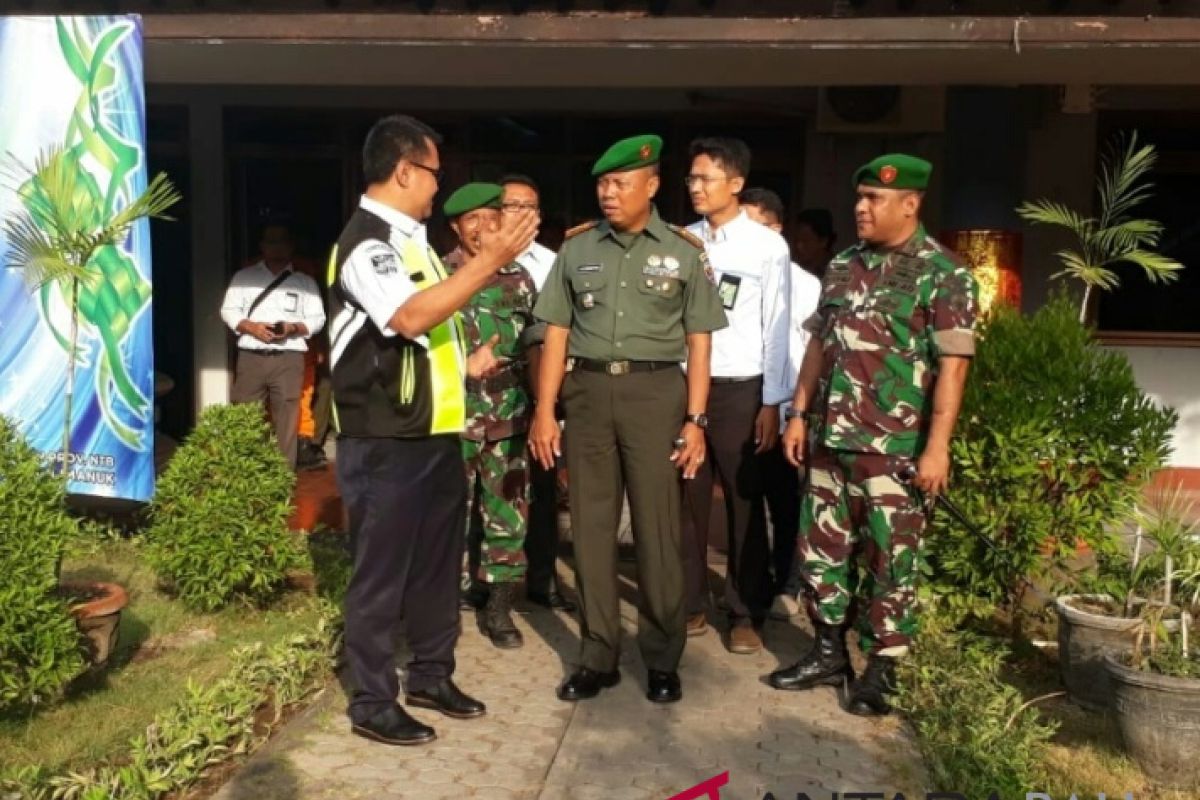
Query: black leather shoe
[
  {"x": 394, "y": 726},
  {"x": 586, "y": 683},
  {"x": 826, "y": 664},
  {"x": 448, "y": 699},
  {"x": 552, "y": 600},
  {"x": 475, "y": 598},
  {"x": 664, "y": 687},
  {"x": 869, "y": 694}
]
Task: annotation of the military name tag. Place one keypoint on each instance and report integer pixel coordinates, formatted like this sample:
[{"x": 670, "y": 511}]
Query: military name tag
[{"x": 589, "y": 268}]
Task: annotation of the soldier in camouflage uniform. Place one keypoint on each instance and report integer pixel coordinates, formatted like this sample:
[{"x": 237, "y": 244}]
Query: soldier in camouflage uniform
[
  {"x": 499, "y": 316},
  {"x": 881, "y": 385}
]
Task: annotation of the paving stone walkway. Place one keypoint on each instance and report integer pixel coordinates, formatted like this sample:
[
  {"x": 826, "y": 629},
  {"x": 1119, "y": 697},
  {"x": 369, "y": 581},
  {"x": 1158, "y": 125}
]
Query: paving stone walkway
[{"x": 531, "y": 746}]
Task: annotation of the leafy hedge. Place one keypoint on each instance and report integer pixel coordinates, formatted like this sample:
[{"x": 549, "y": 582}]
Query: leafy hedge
[
  {"x": 972, "y": 728},
  {"x": 219, "y": 518},
  {"x": 1054, "y": 444},
  {"x": 40, "y": 646},
  {"x": 212, "y": 724}
]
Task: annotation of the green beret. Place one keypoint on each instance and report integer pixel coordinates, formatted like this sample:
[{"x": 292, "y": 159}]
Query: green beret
[
  {"x": 631, "y": 153},
  {"x": 895, "y": 171},
  {"x": 472, "y": 196}
]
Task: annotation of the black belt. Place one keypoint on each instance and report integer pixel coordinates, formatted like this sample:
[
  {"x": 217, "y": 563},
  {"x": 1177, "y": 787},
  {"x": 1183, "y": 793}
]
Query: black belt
[
  {"x": 722, "y": 379},
  {"x": 621, "y": 367},
  {"x": 268, "y": 352}
]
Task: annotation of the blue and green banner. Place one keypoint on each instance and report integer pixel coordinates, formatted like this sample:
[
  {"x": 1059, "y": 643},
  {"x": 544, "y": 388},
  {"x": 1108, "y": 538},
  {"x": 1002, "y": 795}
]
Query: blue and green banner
[{"x": 75, "y": 84}]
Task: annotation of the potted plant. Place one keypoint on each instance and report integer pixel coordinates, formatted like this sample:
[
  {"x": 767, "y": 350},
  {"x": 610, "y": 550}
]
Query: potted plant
[
  {"x": 1092, "y": 626},
  {"x": 1112, "y": 237},
  {"x": 1157, "y": 682},
  {"x": 67, "y": 235}
]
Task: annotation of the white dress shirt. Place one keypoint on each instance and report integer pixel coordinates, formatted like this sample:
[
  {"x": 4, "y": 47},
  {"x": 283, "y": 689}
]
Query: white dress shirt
[
  {"x": 750, "y": 265},
  {"x": 805, "y": 296},
  {"x": 375, "y": 278},
  {"x": 537, "y": 261},
  {"x": 296, "y": 300}
]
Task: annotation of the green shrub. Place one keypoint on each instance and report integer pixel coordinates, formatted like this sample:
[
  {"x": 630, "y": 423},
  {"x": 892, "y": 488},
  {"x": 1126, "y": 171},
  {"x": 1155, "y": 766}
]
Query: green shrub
[
  {"x": 1054, "y": 445},
  {"x": 219, "y": 518},
  {"x": 972, "y": 728},
  {"x": 40, "y": 647}
]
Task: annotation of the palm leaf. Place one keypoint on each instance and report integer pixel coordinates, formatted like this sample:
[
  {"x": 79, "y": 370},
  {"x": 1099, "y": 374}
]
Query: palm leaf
[
  {"x": 36, "y": 255},
  {"x": 1133, "y": 234},
  {"x": 1122, "y": 183},
  {"x": 1076, "y": 266},
  {"x": 1156, "y": 266},
  {"x": 160, "y": 195},
  {"x": 1048, "y": 212}
]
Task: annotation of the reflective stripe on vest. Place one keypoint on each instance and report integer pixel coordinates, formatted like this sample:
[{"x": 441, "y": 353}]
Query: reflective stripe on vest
[{"x": 447, "y": 359}]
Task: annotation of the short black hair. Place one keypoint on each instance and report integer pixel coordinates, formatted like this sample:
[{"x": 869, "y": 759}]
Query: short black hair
[
  {"x": 392, "y": 139},
  {"x": 821, "y": 223},
  {"x": 732, "y": 154},
  {"x": 765, "y": 199},
  {"x": 522, "y": 179},
  {"x": 275, "y": 221}
]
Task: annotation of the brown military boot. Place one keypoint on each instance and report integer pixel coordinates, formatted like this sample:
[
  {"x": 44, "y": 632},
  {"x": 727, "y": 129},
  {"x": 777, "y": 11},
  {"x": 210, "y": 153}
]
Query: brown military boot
[{"x": 497, "y": 617}]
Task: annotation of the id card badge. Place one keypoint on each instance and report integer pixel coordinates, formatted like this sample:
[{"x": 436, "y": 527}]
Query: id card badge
[
  {"x": 291, "y": 302},
  {"x": 727, "y": 290}
]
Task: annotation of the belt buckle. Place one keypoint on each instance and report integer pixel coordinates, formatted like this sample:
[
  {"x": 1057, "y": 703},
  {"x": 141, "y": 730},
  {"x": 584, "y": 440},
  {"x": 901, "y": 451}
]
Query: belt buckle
[{"x": 617, "y": 368}]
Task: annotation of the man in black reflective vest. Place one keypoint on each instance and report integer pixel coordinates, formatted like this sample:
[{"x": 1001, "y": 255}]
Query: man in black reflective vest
[{"x": 399, "y": 364}]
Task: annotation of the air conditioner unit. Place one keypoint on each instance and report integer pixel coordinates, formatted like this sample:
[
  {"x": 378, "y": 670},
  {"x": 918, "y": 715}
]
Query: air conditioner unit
[{"x": 881, "y": 109}]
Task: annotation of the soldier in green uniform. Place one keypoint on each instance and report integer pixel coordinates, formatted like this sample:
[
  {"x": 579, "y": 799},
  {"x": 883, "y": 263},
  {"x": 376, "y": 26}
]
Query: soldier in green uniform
[
  {"x": 628, "y": 299},
  {"x": 498, "y": 317},
  {"x": 881, "y": 384}
]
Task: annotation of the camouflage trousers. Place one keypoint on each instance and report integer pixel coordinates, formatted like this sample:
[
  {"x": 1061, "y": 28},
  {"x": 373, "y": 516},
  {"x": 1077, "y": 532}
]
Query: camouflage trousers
[
  {"x": 498, "y": 489},
  {"x": 860, "y": 537}
]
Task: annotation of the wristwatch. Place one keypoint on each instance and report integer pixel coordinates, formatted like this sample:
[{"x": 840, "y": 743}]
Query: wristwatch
[
  {"x": 699, "y": 420},
  {"x": 790, "y": 413}
]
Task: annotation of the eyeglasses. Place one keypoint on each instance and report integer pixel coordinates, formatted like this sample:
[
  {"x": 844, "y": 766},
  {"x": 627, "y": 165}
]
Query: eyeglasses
[
  {"x": 704, "y": 179},
  {"x": 515, "y": 206},
  {"x": 437, "y": 174}
]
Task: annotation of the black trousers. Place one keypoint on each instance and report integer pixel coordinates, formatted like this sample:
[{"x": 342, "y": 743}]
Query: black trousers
[
  {"x": 406, "y": 499},
  {"x": 781, "y": 482},
  {"x": 541, "y": 541},
  {"x": 732, "y": 408}
]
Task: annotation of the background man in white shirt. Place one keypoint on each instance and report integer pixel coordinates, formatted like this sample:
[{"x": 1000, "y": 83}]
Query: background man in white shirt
[
  {"x": 781, "y": 481},
  {"x": 750, "y": 266},
  {"x": 273, "y": 309}
]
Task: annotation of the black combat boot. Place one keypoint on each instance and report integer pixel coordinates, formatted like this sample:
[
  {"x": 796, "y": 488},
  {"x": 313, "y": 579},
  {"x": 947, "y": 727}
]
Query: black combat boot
[
  {"x": 869, "y": 694},
  {"x": 497, "y": 617},
  {"x": 826, "y": 664}
]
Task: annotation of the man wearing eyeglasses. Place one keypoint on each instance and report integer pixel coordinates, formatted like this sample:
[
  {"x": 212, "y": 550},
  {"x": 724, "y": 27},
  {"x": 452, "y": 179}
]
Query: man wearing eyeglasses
[
  {"x": 749, "y": 364},
  {"x": 399, "y": 367},
  {"x": 521, "y": 193}
]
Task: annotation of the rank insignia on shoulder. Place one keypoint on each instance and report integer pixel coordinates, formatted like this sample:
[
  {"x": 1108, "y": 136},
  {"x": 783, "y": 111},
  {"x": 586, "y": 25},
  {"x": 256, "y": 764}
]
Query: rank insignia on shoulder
[
  {"x": 578, "y": 229},
  {"x": 688, "y": 236}
]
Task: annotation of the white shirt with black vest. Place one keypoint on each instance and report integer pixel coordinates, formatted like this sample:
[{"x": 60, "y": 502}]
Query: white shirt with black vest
[
  {"x": 296, "y": 299},
  {"x": 751, "y": 267}
]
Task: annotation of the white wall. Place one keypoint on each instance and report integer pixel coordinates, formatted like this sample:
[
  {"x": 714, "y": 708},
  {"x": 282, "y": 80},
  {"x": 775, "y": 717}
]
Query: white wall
[{"x": 1171, "y": 375}]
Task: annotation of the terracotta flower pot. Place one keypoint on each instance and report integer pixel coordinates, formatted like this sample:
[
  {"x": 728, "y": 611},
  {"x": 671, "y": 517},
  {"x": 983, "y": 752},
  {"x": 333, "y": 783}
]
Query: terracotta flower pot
[{"x": 98, "y": 616}]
